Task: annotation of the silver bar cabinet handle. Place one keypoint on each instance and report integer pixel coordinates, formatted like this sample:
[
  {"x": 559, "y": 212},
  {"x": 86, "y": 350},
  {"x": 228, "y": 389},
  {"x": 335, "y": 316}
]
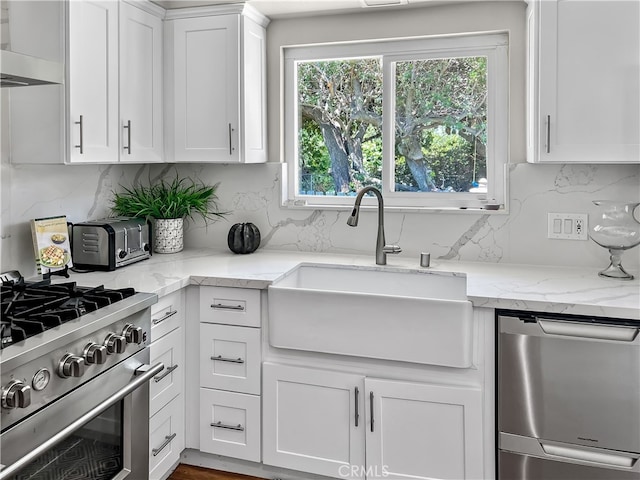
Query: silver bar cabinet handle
[
  {"x": 147, "y": 372},
  {"x": 128, "y": 127},
  {"x": 230, "y": 146},
  {"x": 220, "y": 306},
  {"x": 548, "y": 133},
  {"x": 220, "y": 358},
  {"x": 167, "y": 441},
  {"x": 238, "y": 427},
  {"x": 165, "y": 373},
  {"x": 81, "y": 146},
  {"x": 356, "y": 394},
  {"x": 371, "y": 405},
  {"x": 169, "y": 314}
]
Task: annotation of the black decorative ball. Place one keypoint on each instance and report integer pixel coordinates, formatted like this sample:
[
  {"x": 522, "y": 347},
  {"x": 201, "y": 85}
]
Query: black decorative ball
[{"x": 244, "y": 238}]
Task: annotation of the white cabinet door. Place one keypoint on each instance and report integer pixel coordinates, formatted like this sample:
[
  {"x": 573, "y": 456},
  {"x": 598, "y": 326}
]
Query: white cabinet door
[
  {"x": 170, "y": 382},
  {"x": 93, "y": 81},
  {"x": 230, "y": 424},
  {"x": 166, "y": 438},
  {"x": 230, "y": 358},
  {"x": 584, "y": 81},
  {"x": 140, "y": 85},
  {"x": 206, "y": 57},
  {"x": 313, "y": 420},
  {"x": 423, "y": 431},
  {"x": 167, "y": 315}
]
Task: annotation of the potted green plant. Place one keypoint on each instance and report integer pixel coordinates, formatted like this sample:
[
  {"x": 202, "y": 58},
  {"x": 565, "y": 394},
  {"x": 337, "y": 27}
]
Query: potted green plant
[{"x": 168, "y": 204}]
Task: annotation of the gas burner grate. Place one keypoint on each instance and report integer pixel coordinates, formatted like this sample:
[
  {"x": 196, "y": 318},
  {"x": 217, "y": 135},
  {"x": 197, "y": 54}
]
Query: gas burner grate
[{"x": 31, "y": 308}]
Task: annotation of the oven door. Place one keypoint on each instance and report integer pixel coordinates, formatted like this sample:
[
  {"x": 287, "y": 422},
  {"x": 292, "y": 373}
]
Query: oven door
[{"x": 99, "y": 431}]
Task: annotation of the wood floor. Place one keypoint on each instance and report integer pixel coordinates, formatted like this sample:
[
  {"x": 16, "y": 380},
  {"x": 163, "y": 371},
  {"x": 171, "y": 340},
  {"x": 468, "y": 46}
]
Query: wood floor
[{"x": 187, "y": 472}]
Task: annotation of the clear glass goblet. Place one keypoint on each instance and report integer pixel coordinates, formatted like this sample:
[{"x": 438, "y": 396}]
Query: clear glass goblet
[{"x": 612, "y": 225}]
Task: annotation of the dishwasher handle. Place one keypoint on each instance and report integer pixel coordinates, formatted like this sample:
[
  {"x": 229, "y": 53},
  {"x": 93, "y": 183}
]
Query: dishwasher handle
[
  {"x": 573, "y": 452},
  {"x": 588, "y": 330},
  {"x": 625, "y": 332}
]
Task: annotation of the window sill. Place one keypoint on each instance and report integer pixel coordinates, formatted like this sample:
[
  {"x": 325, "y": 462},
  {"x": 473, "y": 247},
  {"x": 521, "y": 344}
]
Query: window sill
[{"x": 302, "y": 205}]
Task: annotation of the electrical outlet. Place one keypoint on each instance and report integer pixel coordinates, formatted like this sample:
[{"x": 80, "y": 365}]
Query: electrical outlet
[{"x": 567, "y": 226}]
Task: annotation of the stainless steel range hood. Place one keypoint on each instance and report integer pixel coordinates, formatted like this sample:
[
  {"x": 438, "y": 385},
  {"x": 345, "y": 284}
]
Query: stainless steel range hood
[{"x": 18, "y": 70}]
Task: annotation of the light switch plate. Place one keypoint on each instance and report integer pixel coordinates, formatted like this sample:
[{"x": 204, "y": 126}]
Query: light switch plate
[{"x": 568, "y": 226}]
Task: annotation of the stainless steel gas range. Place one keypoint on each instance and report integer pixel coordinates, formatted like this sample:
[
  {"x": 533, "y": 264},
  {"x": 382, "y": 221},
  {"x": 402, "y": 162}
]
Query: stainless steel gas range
[{"x": 74, "y": 379}]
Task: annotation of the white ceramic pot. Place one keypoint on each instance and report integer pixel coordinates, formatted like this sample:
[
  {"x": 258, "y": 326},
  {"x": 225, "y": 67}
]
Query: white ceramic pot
[{"x": 168, "y": 235}]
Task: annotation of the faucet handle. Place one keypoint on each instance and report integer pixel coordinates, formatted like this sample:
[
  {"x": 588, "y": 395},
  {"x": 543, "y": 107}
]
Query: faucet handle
[{"x": 391, "y": 249}]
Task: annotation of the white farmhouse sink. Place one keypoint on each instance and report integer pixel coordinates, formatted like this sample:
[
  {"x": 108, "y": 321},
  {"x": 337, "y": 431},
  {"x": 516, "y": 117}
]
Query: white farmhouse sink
[{"x": 410, "y": 316}]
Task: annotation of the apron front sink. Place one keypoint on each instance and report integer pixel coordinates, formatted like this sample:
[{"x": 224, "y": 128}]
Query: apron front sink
[{"x": 373, "y": 312}]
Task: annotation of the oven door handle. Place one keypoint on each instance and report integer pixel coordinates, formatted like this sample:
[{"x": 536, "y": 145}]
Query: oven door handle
[{"x": 144, "y": 373}]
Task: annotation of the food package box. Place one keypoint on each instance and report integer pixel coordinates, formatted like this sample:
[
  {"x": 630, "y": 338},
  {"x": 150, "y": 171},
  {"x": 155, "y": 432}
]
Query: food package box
[{"x": 51, "y": 243}]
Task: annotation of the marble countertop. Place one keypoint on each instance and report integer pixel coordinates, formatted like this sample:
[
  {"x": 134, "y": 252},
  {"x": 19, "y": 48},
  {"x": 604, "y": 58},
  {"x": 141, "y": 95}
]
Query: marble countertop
[{"x": 509, "y": 286}]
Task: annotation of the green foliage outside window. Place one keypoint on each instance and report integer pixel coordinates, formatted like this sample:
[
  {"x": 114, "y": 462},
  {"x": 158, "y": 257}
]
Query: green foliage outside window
[{"x": 440, "y": 125}]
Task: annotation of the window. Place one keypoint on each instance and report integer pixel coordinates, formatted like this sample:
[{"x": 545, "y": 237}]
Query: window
[{"x": 423, "y": 119}]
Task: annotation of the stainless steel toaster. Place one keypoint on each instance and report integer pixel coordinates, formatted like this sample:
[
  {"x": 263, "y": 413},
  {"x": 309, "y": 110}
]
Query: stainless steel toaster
[{"x": 110, "y": 243}]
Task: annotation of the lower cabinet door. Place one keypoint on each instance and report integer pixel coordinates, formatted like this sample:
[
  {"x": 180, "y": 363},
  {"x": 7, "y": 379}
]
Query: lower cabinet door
[
  {"x": 230, "y": 424},
  {"x": 166, "y": 438},
  {"x": 423, "y": 431},
  {"x": 313, "y": 421},
  {"x": 170, "y": 381}
]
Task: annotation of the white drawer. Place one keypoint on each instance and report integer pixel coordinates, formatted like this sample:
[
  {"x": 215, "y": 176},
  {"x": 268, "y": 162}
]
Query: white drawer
[
  {"x": 230, "y": 424},
  {"x": 170, "y": 381},
  {"x": 230, "y": 306},
  {"x": 166, "y": 438},
  {"x": 230, "y": 358},
  {"x": 167, "y": 314}
]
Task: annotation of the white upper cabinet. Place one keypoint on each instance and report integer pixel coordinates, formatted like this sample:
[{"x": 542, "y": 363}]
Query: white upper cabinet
[
  {"x": 216, "y": 80},
  {"x": 93, "y": 81},
  {"x": 115, "y": 83},
  {"x": 583, "y": 81},
  {"x": 140, "y": 85}
]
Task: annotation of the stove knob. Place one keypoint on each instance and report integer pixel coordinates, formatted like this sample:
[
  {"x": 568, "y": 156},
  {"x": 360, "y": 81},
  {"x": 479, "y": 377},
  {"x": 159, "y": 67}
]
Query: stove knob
[
  {"x": 115, "y": 343},
  {"x": 121, "y": 254},
  {"x": 16, "y": 395},
  {"x": 95, "y": 353},
  {"x": 71, "y": 366},
  {"x": 132, "y": 334}
]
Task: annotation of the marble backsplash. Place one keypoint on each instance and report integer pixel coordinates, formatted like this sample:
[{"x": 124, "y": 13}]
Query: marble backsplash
[{"x": 251, "y": 193}]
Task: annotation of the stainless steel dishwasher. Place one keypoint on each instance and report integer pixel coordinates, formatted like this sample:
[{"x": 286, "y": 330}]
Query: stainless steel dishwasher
[{"x": 568, "y": 397}]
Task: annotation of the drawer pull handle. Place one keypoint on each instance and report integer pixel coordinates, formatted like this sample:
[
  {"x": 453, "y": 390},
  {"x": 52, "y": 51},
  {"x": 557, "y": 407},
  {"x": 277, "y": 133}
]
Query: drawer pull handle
[
  {"x": 238, "y": 427},
  {"x": 220, "y": 358},
  {"x": 167, "y": 441},
  {"x": 221, "y": 306},
  {"x": 169, "y": 314},
  {"x": 165, "y": 373}
]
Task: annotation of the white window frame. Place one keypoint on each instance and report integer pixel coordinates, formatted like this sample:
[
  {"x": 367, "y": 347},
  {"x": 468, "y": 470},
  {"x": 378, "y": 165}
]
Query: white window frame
[{"x": 493, "y": 45}]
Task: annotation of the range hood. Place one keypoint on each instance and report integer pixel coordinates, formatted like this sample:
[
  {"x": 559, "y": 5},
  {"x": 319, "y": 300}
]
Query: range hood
[{"x": 18, "y": 70}]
